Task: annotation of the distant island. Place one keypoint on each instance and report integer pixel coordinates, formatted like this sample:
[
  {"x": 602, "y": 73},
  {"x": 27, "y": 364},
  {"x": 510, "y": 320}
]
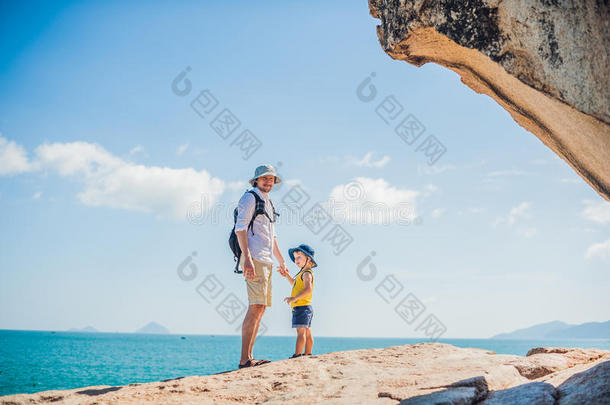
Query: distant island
[
  {"x": 85, "y": 329},
  {"x": 560, "y": 330},
  {"x": 153, "y": 327}
]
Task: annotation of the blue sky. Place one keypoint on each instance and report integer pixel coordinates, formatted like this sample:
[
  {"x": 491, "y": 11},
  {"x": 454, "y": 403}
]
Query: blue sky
[{"x": 100, "y": 162}]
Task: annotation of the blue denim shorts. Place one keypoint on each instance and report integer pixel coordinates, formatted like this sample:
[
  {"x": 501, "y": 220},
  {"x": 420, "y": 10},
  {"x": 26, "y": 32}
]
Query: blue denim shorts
[{"x": 301, "y": 316}]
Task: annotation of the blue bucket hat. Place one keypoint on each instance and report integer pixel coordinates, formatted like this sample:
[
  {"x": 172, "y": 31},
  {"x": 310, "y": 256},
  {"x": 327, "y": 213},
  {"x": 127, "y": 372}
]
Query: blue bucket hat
[{"x": 307, "y": 251}]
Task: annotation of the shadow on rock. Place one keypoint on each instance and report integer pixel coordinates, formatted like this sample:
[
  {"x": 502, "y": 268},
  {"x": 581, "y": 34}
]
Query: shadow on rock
[
  {"x": 100, "y": 391},
  {"x": 591, "y": 386}
]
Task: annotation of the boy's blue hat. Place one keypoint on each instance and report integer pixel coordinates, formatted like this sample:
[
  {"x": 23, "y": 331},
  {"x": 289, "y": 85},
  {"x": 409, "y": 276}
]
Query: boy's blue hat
[{"x": 307, "y": 251}]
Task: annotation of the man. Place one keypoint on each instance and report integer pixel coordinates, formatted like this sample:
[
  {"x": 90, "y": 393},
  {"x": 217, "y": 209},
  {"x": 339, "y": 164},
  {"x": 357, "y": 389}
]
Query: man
[{"x": 258, "y": 245}]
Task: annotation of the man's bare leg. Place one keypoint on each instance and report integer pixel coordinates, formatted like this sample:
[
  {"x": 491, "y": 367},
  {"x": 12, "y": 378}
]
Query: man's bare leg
[
  {"x": 255, "y": 333},
  {"x": 248, "y": 331}
]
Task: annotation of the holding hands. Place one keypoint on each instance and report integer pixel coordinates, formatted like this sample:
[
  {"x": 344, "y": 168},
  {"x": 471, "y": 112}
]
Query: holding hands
[{"x": 283, "y": 270}]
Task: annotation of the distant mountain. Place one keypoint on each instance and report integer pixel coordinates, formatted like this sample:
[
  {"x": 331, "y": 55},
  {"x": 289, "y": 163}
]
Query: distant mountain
[
  {"x": 539, "y": 331},
  {"x": 85, "y": 329},
  {"x": 589, "y": 330},
  {"x": 560, "y": 330},
  {"x": 153, "y": 327}
]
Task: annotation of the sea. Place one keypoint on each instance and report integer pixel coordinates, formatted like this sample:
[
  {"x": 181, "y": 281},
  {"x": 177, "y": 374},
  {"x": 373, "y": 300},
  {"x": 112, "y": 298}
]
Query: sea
[{"x": 32, "y": 361}]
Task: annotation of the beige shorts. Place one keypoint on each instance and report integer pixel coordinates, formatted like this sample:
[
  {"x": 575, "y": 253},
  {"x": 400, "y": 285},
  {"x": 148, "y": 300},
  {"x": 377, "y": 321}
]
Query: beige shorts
[{"x": 259, "y": 289}]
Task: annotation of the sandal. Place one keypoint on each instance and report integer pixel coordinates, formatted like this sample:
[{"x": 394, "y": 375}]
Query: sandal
[
  {"x": 246, "y": 364},
  {"x": 294, "y": 356},
  {"x": 259, "y": 362}
]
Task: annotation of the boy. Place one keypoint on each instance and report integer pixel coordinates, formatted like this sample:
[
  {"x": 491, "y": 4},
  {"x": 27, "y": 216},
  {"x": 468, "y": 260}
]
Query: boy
[{"x": 300, "y": 297}]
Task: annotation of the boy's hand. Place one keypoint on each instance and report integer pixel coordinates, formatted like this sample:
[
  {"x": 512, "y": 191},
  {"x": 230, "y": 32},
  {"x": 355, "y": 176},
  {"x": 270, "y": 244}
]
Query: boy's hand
[
  {"x": 289, "y": 300},
  {"x": 282, "y": 270}
]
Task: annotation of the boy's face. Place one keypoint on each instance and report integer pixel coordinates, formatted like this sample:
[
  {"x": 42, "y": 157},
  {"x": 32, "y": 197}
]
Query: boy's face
[{"x": 300, "y": 259}]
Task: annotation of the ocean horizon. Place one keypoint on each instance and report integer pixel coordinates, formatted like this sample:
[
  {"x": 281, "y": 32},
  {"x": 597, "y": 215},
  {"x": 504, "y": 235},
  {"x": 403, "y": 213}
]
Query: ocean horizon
[{"x": 33, "y": 361}]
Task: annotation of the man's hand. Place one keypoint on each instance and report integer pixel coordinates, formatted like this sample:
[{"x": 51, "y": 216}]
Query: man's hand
[
  {"x": 289, "y": 300},
  {"x": 283, "y": 270},
  {"x": 249, "y": 271},
  {"x": 283, "y": 267}
]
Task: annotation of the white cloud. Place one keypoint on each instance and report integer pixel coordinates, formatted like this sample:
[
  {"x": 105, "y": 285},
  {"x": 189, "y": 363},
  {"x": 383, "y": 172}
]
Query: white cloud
[
  {"x": 495, "y": 180},
  {"x": 520, "y": 211},
  {"x": 570, "y": 180},
  {"x": 293, "y": 182},
  {"x": 437, "y": 212},
  {"x": 512, "y": 172},
  {"x": 161, "y": 190},
  {"x": 238, "y": 185},
  {"x": 438, "y": 169},
  {"x": 598, "y": 212},
  {"x": 372, "y": 201},
  {"x": 13, "y": 158},
  {"x": 37, "y": 195},
  {"x": 435, "y": 169},
  {"x": 527, "y": 231},
  {"x": 515, "y": 217},
  {"x": 136, "y": 149},
  {"x": 368, "y": 161},
  {"x": 471, "y": 210},
  {"x": 111, "y": 181},
  {"x": 431, "y": 188},
  {"x": 182, "y": 148},
  {"x": 77, "y": 158},
  {"x": 599, "y": 250}
]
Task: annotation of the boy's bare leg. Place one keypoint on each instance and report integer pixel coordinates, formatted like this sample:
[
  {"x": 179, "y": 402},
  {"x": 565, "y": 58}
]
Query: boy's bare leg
[
  {"x": 248, "y": 329},
  {"x": 301, "y": 332},
  {"x": 255, "y": 333},
  {"x": 308, "y": 341}
]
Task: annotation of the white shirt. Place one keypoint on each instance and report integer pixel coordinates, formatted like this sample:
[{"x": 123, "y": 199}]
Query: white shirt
[{"x": 261, "y": 242}]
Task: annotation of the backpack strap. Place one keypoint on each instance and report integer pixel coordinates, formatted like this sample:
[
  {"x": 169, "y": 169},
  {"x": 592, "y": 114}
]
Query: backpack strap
[
  {"x": 259, "y": 209},
  {"x": 275, "y": 214}
]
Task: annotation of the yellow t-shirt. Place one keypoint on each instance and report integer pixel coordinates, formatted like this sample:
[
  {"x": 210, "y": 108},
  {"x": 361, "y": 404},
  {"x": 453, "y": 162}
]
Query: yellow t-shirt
[{"x": 299, "y": 286}]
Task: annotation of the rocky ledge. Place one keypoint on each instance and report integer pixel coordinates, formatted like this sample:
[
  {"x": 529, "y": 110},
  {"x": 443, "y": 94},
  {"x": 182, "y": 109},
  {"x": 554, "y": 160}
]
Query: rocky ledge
[
  {"x": 546, "y": 62},
  {"x": 424, "y": 373}
]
